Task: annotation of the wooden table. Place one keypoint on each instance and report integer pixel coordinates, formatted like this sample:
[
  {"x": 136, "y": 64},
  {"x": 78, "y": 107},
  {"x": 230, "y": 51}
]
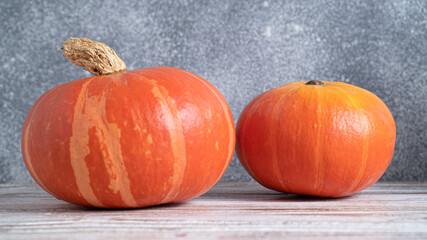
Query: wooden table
[{"x": 229, "y": 210}]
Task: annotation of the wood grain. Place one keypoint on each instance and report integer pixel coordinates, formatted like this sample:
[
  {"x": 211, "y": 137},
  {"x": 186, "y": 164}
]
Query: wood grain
[{"x": 229, "y": 210}]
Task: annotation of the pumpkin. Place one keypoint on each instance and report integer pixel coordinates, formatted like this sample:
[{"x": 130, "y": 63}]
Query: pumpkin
[
  {"x": 325, "y": 139},
  {"x": 127, "y": 139}
]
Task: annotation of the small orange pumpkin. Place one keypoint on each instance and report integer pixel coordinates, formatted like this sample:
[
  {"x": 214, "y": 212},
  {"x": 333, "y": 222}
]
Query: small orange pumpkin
[
  {"x": 327, "y": 139},
  {"x": 127, "y": 139}
]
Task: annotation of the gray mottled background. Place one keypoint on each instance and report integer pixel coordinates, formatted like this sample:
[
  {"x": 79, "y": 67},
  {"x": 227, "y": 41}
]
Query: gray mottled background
[{"x": 242, "y": 47}]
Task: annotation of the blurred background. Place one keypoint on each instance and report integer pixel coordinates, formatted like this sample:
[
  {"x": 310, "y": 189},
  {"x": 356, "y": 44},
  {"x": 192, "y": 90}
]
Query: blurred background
[{"x": 242, "y": 47}]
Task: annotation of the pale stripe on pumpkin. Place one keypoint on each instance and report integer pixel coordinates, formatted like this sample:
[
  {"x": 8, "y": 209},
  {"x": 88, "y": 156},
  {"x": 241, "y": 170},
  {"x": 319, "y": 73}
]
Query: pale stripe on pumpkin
[
  {"x": 94, "y": 117},
  {"x": 79, "y": 149},
  {"x": 109, "y": 134},
  {"x": 177, "y": 141}
]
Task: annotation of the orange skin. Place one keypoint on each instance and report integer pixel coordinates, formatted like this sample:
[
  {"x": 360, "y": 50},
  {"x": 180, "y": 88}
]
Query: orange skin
[
  {"x": 129, "y": 139},
  {"x": 327, "y": 141}
]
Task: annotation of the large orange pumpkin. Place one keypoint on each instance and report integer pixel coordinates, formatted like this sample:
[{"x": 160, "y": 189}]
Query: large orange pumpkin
[
  {"x": 127, "y": 139},
  {"x": 326, "y": 139}
]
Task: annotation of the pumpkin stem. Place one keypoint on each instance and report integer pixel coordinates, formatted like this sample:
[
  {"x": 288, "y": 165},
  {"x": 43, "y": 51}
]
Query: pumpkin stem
[
  {"x": 315, "y": 82},
  {"x": 95, "y": 57}
]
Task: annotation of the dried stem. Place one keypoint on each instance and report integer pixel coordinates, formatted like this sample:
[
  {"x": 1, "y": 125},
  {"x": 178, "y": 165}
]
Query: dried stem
[{"x": 95, "y": 57}]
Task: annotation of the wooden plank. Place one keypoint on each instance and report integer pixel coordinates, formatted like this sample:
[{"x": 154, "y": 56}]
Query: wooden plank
[{"x": 229, "y": 210}]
